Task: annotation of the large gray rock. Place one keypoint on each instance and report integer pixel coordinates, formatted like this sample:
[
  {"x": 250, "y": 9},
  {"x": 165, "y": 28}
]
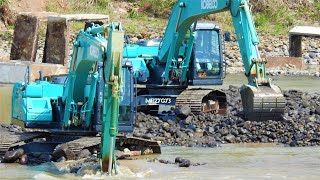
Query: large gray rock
[
  {"x": 63, "y": 151},
  {"x": 182, "y": 111},
  {"x": 12, "y": 156}
]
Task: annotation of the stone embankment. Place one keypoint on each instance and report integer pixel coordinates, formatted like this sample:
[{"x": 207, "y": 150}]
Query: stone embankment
[{"x": 300, "y": 125}]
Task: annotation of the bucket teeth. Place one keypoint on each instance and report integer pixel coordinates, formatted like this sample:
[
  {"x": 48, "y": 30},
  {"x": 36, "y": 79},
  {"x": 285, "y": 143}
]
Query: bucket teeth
[{"x": 263, "y": 103}]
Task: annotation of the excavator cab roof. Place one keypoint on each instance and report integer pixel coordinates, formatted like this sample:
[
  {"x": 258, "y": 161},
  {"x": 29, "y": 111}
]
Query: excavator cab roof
[{"x": 205, "y": 25}]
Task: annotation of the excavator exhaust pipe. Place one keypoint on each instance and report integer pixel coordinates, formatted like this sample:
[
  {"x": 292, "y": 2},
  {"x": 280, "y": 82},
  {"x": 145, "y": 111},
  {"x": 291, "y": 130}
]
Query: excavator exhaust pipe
[{"x": 262, "y": 103}]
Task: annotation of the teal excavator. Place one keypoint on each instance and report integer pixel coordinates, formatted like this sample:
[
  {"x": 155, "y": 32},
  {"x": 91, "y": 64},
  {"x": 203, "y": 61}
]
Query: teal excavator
[
  {"x": 74, "y": 109},
  {"x": 190, "y": 53}
]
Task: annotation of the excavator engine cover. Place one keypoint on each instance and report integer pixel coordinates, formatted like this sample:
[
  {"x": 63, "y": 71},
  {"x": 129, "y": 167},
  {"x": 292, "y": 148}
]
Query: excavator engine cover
[{"x": 262, "y": 103}]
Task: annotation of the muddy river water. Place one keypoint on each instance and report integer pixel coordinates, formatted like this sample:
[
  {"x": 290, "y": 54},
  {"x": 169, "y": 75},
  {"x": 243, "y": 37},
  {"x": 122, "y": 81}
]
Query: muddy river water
[
  {"x": 240, "y": 161},
  {"x": 231, "y": 161}
]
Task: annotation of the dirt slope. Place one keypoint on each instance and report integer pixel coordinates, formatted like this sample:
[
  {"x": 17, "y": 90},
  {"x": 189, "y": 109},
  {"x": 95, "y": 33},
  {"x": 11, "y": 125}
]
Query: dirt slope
[{"x": 28, "y": 5}]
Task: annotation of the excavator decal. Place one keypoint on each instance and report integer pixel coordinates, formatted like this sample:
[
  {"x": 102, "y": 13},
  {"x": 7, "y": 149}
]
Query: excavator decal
[{"x": 209, "y": 4}]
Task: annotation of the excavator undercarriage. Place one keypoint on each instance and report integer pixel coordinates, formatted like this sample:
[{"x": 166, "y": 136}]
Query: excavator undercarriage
[
  {"x": 46, "y": 142},
  {"x": 203, "y": 100}
]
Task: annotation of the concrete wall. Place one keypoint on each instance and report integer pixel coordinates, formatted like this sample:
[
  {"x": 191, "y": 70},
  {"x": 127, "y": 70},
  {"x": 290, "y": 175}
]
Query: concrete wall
[{"x": 15, "y": 71}]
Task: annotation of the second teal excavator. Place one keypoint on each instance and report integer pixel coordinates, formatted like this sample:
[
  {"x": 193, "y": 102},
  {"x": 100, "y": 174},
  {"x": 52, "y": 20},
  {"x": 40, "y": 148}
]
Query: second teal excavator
[{"x": 190, "y": 53}]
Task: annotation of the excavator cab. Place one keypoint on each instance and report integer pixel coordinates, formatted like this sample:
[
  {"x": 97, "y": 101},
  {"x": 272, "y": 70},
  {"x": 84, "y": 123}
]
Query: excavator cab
[
  {"x": 207, "y": 59},
  {"x": 206, "y": 68}
]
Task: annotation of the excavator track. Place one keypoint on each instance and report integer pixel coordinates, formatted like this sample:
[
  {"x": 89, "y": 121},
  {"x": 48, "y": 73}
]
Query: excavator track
[
  {"x": 10, "y": 139},
  {"x": 140, "y": 143},
  {"x": 203, "y": 100},
  {"x": 122, "y": 142},
  {"x": 83, "y": 143}
]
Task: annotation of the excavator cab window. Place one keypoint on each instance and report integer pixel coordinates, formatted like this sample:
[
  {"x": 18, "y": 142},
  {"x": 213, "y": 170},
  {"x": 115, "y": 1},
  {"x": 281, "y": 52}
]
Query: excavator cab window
[
  {"x": 207, "y": 53},
  {"x": 126, "y": 101}
]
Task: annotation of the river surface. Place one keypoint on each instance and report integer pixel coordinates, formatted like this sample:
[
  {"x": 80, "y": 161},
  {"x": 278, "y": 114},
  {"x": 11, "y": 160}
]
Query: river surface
[
  {"x": 303, "y": 83},
  {"x": 237, "y": 161},
  {"x": 231, "y": 161}
]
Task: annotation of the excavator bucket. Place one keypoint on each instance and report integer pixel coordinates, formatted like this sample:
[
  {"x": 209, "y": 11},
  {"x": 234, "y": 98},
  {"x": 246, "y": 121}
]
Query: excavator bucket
[
  {"x": 262, "y": 103},
  {"x": 203, "y": 100}
]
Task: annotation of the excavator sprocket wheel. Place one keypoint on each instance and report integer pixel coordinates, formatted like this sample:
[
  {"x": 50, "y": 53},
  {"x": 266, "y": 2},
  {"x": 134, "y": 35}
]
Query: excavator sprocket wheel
[{"x": 262, "y": 103}]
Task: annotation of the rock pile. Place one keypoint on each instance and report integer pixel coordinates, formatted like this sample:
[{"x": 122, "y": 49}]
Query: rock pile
[{"x": 300, "y": 125}]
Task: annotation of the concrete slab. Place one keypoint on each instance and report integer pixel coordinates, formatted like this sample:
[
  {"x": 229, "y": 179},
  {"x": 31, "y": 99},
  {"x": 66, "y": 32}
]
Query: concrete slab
[
  {"x": 79, "y": 17},
  {"x": 295, "y": 38},
  {"x": 43, "y": 16},
  {"x": 305, "y": 31},
  {"x": 14, "y": 71}
]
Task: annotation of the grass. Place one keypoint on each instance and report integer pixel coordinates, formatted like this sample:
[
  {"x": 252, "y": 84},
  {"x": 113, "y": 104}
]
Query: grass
[
  {"x": 6, "y": 35},
  {"x": 276, "y": 19}
]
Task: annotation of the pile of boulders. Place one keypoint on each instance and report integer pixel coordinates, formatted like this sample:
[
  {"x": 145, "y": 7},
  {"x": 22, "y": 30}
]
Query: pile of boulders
[{"x": 299, "y": 126}]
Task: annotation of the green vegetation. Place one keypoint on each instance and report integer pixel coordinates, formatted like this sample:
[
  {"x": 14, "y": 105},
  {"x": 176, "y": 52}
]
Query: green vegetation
[
  {"x": 3, "y": 2},
  {"x": 77, "y": 26},
  {"x": 316, "y": 14},
  {"x": 276, "y": 19},
  {"x": 157, "y": 8},
  {"x": 6, "y": 35}
]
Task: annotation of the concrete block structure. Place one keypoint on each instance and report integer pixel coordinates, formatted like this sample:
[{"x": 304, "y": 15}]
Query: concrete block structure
[
  {"x": 56, "y": 47},
  {"x": 295, "y": 38}
]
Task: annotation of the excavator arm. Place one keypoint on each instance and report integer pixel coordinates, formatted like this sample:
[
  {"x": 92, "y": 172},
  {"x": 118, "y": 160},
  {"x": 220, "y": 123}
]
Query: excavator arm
[
  {"x": 91, "y": 48},
  {"x": 261, "y": 99}
]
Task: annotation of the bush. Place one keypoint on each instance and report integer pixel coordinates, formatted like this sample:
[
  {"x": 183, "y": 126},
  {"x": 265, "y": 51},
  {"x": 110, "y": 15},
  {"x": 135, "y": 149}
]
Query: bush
[{"x": 316, "y": 14}]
